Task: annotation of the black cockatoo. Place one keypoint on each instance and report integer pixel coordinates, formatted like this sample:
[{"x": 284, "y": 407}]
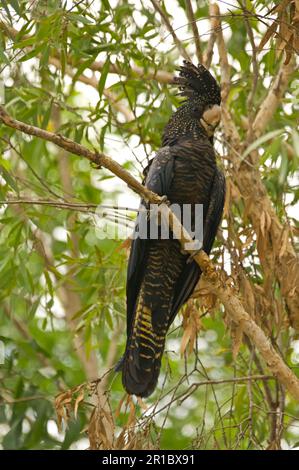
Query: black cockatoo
[{"x": 160, "y": 276}]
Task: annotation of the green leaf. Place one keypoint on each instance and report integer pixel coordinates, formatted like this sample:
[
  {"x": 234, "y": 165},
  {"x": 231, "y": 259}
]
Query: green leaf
[
  {"x": 295, "y": 136},
  {"x": 9, "y": 179},
  {"x": 82, "y": 66},
  {"x": 25, "y": 43},
  {"x": 31, "y": 54},
  {"x": 47, "y": 116},
  {"x": 261, "y": 140},
  {"x": 16, "y": 6},
  {"x": 106, "y": 5},
  {"x": 5, "y": 6},
  {"x": 63, "y": 61},
  {"x": 49, "y": 283},
  {"x": 3, "y": 58},
  {"x": 103, "y": 77},
  {"x": 76, "y": 17},
  {"x": 45, "y": 54},
  {"x": 283, "y": 171}
]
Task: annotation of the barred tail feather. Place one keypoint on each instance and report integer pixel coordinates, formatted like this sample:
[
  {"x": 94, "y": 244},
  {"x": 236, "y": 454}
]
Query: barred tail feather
[
  {"x": 140, "y": 379},
  {"x": 145, "y": 346}
]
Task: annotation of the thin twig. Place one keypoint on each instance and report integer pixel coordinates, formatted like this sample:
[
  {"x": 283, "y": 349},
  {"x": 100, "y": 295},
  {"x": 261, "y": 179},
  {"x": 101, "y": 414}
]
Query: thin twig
[
  {"x": 160, "y": 76},
  {"x": 224, "y": 64},
  {"x": 193, "y": 24},
  {"x": 166, "y": 21},
  {"x": 208, "y": 55},
  {"x": 187, "y": 393},
  {"x": 255, "y": 68},
  {"x": 93, "y": 82}
]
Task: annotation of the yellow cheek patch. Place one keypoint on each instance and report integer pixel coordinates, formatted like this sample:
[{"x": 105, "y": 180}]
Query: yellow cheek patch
[{"x": 212, "y": 116}]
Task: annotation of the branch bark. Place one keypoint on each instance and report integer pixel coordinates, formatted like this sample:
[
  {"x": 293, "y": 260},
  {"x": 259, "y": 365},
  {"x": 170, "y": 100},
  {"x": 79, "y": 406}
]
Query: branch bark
[
  {"x": 208, "y": 55},
  {"x": 166, "y": 21},
  {"x": 273, "y": 99},
  {"x": 193, "y": 24},
  {"x": 218, "y": 281},
  {"x": 224, "y": 64}
]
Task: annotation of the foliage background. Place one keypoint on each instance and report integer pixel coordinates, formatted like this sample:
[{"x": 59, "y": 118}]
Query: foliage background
[{"x": 62, "y": 289}]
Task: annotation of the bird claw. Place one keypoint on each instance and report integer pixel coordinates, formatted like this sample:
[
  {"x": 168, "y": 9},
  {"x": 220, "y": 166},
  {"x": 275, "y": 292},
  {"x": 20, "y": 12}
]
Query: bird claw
[
  {"x": 164, "y": 200},
  {"x": 191, "y": 257},
  {"x": 197, "y": 247}
]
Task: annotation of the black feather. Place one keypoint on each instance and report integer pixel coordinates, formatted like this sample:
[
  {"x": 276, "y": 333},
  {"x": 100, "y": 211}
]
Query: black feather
[
  {"x": 159, "y": 279},
  {"x": 198, "y": 83}
]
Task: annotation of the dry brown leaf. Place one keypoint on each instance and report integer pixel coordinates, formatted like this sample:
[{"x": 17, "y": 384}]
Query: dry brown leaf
[
  {"x": 77, "y": 402},
  {"x": 284, "y": 242},
  {"x": 292, "y": 292},
  {"x": 132, "y": 413},
  {"x": 192, "y": 325},
  {"x": 92, "y": 434},
  {"x": 235, "y": 193},
  {"x": 237, "y": 338},
  {"x": 120, "y": 441},
  {"x": 267, "y": 36},
  {"x": 268, "y": 220},
  {"x": 61, "y": 406},
  {"x": 206, "y": 299},
  {"x": 279, "y": 7},
  {"x": 285, "y": 36},
  {"x": 108, "y": 417},
  {"x": 247, "y": 293},
  {"x": 97, "y": 430},
  {"x": 63, "y": 403},
  {"x": 185, "y": 339},
  {"x": 227, "y": 198},
  {"x": 119, "y": 406},
  {"x": 296, "y": 40},
  {"x": 125, "y": 245},
  {"x": 289, "y": 50},
  {"x": 141, "y": 403},
  {"x": 263, "y": 223}
]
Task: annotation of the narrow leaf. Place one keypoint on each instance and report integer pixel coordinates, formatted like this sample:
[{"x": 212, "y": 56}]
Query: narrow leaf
[
  {"x": 261, "y": 140},
  {"x": 104, "y": 74}
]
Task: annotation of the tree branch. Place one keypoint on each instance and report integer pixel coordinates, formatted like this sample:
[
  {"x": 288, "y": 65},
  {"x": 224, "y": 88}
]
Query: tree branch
[
  {"x": 193, "y": 24},
  {"x": 208, "y": 55},
  {"x": 224, "y": 64},
  {"x": 166, "y": 21},
  {"x": 273, "y": 99},
  {"x": 218, "y": 281},
  {"x": 97, "y": 158}
]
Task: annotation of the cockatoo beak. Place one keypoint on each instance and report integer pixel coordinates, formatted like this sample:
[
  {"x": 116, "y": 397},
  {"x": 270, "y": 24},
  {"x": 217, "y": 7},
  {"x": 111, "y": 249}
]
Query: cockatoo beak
[{"x": 210, "y": 119}]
